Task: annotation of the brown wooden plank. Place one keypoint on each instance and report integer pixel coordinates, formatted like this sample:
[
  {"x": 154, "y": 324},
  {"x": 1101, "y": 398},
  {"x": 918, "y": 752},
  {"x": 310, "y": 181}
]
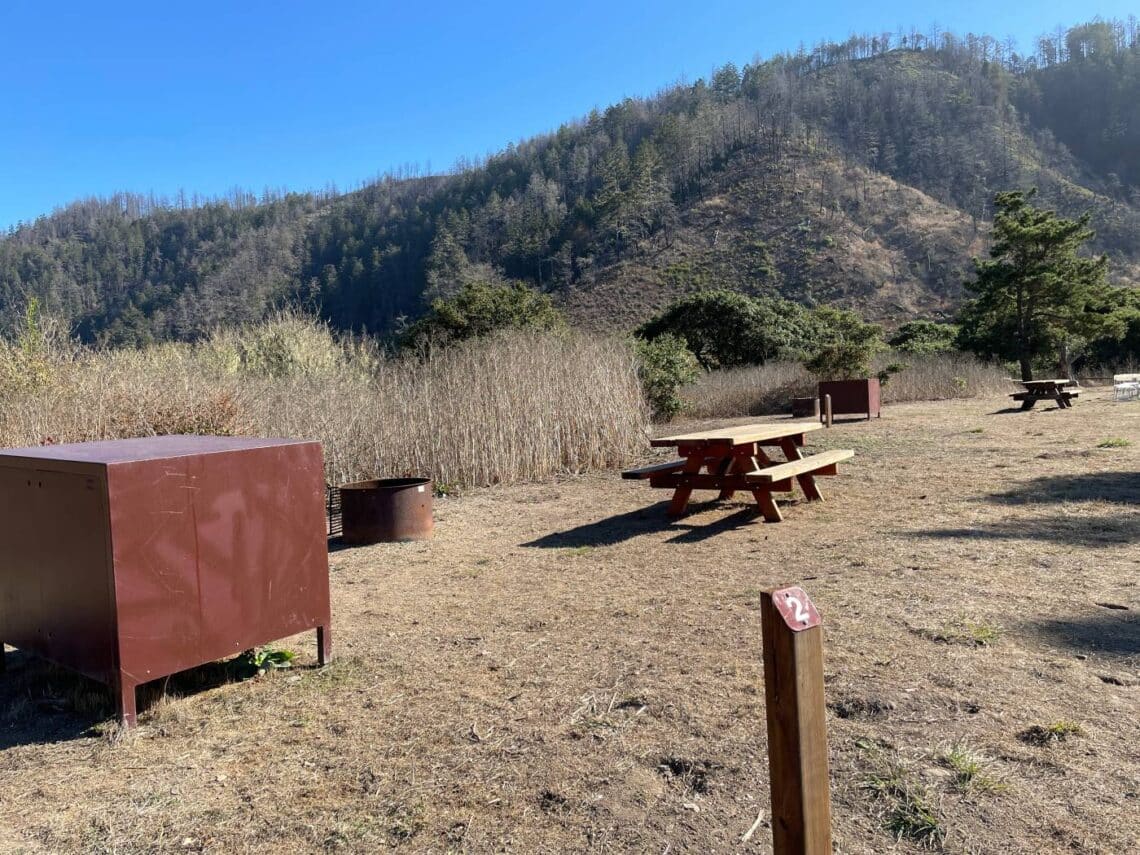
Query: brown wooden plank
[
  {"x": 679, "y": 501},
  {"x": 702, "y": 481},
  {"x": 813, "y": 464},
  {"x": 737, "y": 434},
  {"x": 768, "y": 506},
  {"x": 643, "y": 472},
  {"x": 797, "y": 735}
]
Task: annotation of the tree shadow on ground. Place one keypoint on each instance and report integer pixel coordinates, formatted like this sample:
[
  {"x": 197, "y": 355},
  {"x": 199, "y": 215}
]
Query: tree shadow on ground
[
  {"x": 1113, "y": 633},
  {"x": 1123, "y": 487},
  {"x": 42, "y": 703},
  {"x": 1098, "y": 531},
  {"x": 622, "y": 527}
]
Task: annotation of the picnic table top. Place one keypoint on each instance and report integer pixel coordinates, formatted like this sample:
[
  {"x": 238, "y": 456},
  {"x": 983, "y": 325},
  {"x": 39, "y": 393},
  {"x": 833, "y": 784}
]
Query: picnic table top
[
  {"x": 1060, "y": 381},
  {"x": 738, "y": 434}
]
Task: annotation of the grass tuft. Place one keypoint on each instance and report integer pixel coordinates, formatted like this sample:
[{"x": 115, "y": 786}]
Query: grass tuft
[
  {"x": 1114, "y": 442},
  {"x": 1058, "y": 731},
  {"x": 965, "y": 632},
  {"x": 905, "y": 807},
  {"x": 970, "y": 770}
]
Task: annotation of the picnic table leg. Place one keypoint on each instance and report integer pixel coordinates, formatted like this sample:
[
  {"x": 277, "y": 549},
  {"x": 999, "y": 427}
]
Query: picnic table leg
[
  {"x": 1028, "y": 403},
  {"x": 807, "y": 482},
  {"x": 767, "y": 505},
  {"x": 727, "y": 467},
  {"x": 681, "y": 495},
  {"x": 680, "y": 499}
]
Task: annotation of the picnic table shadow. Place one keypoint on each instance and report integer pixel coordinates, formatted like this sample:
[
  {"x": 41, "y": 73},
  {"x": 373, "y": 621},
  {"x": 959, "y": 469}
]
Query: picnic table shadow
[
  {"x": 1007, "y": 411},
  {"x": 1115, "y": 633},
  {"x": 622, "y": 527},
  {"x": 42, "y": 703}
]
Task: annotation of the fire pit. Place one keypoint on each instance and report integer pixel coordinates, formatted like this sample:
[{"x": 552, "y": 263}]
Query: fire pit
[{"x": 386, "y": 510}]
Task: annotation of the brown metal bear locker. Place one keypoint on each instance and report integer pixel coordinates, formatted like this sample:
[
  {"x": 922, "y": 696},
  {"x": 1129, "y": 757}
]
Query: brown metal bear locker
[{"x": 131, "y": 560}]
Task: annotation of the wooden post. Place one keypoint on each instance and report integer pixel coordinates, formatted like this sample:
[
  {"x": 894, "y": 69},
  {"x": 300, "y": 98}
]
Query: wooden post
[
  {"x": 827, "y": 410},
  {"x": 797, "y": 731}
]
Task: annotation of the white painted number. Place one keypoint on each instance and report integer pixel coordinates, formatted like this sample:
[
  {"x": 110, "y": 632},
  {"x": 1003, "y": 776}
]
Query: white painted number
[{"x": 801, "y": 613}]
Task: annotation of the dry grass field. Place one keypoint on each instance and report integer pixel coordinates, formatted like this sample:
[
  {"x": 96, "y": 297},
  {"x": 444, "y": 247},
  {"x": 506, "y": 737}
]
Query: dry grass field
[{"x": 562, "y": 669}]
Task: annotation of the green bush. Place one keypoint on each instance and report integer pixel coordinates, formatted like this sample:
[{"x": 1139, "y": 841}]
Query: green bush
[
  {"x": 924, "y": 337},
  {"x": 844, "y": 345},
  {"x": 480, "y": 308},
  {"x": 724, "y": 329},
  {"x": 30, "y": 360},
  {"x": 286, "y": 345},
  {"x": 665, "y": 364}
]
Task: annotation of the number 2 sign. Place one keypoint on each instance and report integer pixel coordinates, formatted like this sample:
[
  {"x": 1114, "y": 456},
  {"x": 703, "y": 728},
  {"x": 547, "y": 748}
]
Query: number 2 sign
[{"x": 796, "y": 608}]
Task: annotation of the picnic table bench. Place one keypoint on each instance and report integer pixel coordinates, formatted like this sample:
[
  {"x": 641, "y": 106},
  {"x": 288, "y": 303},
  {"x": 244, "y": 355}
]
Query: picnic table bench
[
  {"x": 1042, "y": 390},
  {"x": 734, "y": 458}
]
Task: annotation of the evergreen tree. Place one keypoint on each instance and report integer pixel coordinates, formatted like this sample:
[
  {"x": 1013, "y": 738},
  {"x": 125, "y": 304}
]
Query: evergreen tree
[{"x": 1035, "y": 294}]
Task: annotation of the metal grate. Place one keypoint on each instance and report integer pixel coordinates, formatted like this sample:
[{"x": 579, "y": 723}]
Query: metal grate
[{"x": 332, "y": 508}]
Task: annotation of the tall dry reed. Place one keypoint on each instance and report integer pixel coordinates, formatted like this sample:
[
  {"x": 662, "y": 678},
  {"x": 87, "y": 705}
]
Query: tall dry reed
[
  {"x": 500, "y": 410},
  {"x": 769, "y": 389}
]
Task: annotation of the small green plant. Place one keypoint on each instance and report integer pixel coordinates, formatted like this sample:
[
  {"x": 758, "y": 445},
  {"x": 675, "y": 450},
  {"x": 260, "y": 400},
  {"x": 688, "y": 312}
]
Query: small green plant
[
  {"x": 253, "y": 663},
  {"x": 967, "y": 632},
  {"x": 27, "y": 364},
  {"x": 890, "y": 371},
  {"x": 664, "y": 365},
  {"x": 1058, "y": 731},
  {"x": 1114, "y": 442},
  {"x": 970, "y": 770},
  {"x": 906, "y": 809}
]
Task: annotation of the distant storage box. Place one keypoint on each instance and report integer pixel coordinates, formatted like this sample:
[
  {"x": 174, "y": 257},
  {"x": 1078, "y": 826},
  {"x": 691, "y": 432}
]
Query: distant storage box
[
  {"x": 131, "y": 560},
  {"x": 853, "y": 397}
]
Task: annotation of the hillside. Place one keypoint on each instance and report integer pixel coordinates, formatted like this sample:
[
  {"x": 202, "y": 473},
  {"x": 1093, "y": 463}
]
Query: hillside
[{"x": 860, "y": 173}]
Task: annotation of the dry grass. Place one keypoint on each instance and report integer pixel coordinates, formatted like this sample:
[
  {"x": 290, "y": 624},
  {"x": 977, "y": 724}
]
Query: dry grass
[
  {"x": 944, "y": 376},
  {"x": 564, "y": 670},
  {"x": 752, "y": 391},
  {"x": 499, "y": 411},
  {"x": 502, "y": 410},
  {"x": 768, "y": 389}
]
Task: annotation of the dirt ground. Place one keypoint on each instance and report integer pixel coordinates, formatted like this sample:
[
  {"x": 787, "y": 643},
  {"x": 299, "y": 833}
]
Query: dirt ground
[{"x": 563, "y": 669}]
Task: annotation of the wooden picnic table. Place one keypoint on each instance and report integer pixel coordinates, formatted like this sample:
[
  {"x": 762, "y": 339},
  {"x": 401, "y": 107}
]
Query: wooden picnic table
[
  {"x": 736, "y": 458},
  {"x": 1042, "y": 390}
]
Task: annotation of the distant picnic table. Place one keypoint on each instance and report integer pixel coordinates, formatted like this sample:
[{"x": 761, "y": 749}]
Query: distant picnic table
[
  {"x": 736, "y": 458},
  {"x": 1043, "y": 390}
]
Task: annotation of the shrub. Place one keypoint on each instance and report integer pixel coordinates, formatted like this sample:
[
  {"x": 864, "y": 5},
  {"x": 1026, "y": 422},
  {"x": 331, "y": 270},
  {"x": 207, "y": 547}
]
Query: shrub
[
  {"x": 845, "y": 345},
  {"x": 724, "y": 329},
  {"x": 480, "y": 308},
  {"x": 29, "y": 361},
  {"x": 924, "y": 337},
  {"x": 665, "y": 364},
  {"x": 288, "y": 344}
]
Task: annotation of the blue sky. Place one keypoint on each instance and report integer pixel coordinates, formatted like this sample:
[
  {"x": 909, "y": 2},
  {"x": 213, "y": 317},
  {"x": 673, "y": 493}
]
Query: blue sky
[{"x": 205, "y": 96}]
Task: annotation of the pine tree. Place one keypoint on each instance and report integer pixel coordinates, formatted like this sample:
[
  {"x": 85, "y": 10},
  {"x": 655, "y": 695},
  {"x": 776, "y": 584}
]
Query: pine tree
[{"x": 1035, "y": 294}]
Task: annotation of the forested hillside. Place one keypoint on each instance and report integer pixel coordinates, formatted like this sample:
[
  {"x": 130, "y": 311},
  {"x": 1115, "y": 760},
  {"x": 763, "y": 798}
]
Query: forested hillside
[{"x": 861, "y": 173}]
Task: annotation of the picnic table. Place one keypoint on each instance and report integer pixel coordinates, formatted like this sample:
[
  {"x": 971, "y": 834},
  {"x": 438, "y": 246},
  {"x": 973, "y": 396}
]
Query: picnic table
[
  {"x": 1042, "y": 390},
  {"x": 736, "y": 458}
]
